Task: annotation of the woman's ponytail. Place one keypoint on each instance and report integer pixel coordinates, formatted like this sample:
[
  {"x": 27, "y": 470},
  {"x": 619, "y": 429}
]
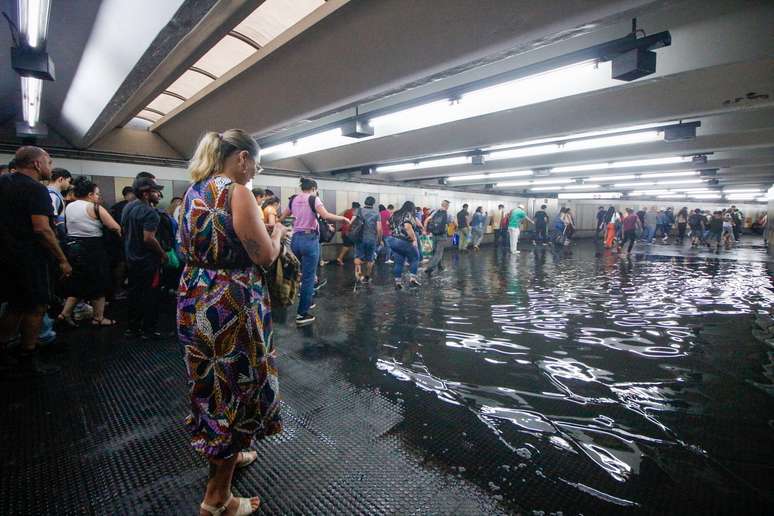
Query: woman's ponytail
[
  {"x": 214, "y": 148},
  {"x": 207, "y": 159}
]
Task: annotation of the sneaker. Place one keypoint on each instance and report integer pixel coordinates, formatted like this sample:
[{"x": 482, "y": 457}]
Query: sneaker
[
  {"x": 367, "y": 280},
  {"x": 129, "y": 332},
  {"x": 314, "y": 305},
  {"x": 302, "y": 320},
  {"x": 389, "y": 262},
  {"x": 320, "y": 284},
  {"x": 398, "y": 285},
  {"x": 414, "y": 283}
]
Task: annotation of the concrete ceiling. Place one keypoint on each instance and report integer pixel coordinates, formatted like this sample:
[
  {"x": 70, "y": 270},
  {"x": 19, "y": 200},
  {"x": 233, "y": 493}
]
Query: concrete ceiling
[{"x": 375, "y": 54}]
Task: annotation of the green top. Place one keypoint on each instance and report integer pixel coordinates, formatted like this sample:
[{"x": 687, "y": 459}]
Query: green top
[{"x": 517, "y": 215}]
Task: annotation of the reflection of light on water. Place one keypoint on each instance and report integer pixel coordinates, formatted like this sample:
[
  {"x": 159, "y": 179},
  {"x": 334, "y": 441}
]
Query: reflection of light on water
[{"x": 582, "y": 358}]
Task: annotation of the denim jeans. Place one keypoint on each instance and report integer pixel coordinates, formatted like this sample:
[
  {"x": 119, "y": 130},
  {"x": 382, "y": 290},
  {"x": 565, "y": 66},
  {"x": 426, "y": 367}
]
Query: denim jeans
[
  {"x": 403, "y": 251},
  {"x": 477, "y": 235},
  {"x": 306, "y": 246},
  {"x": 649, "y": 233}
]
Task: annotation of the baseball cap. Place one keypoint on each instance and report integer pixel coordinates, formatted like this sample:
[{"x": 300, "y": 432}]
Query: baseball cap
[{"x": 146, "y": 183}]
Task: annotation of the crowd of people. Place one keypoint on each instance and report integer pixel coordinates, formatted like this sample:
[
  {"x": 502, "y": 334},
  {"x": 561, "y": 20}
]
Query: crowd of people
[
  {"x": 713, "y": 229},
  {"x": 214, "y": 248}
]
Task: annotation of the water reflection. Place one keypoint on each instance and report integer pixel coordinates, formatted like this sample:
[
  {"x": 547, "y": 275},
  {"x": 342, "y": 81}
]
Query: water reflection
[{"x": 583, "y": 359}]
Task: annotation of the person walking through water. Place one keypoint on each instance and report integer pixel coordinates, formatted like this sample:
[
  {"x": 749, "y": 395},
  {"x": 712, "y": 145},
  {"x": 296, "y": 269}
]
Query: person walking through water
[
  {"x": 305, "y": 243},
  {"x": 631, "y": 223},
  {"x": 437, "y": 225},
  {"x": 463, "y": 227},
  {"x": 541, "y": 225},
  {"x": 682, "y": 224},
  {"x": 514, "y": 226},
  {"x": 497, "y": 220},
  {"x": 477, "y": 228},
  {"x": 404, "y": 244},
  {"x": 365, "y": 248},
  {"x": 609, "y": 220},
  {"x": 223, "y": 317}
]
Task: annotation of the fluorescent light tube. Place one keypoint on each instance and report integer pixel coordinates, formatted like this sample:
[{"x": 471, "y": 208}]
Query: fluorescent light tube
[
  {"x": 523, "y": 152},
  {"x": 633, "y": 185},
  {"x": 638, "y": 193},
  {"x": 611, "y": 178},
  {"x": 430, "y": 163},
  {"x": 515, "y": 173},
  {"x": 762, "y": 199},
  {"x": 650, "y": 162},
  {"x": 742, "y": 197},
  {"x": 32, "y": 90},
  {"x": 670, "y": 174},
  {"x": 558, "y": 181},
  {"x": 496, "y": 175},
  {"x": 580, "y": 168},
  {"x": 671, "y": 196},
  {"x": 704, "y": 196},
  {"x": 742, "y": 190},
  {"x": 612, "y": 141},
  {"x": 591, "y": 195},
  {"x": 33, "y": 20},
  {"x": 580, "y": 187}
]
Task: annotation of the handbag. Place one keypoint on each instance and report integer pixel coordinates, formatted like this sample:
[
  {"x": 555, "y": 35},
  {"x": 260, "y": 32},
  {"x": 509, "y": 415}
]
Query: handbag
[
  {"x": 283, "y": 276},
  {"x": 326, "y": 233},
  {"x": 426, "y": 245}
]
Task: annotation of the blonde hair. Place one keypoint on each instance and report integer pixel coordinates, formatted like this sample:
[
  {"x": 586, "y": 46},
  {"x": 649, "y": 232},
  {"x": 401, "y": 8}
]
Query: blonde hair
[{"x": 214, "y": 148}]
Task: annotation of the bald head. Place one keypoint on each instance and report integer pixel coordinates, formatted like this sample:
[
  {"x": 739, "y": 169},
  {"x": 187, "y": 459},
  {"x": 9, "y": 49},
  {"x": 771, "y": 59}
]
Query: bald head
[{"x": 34, "y": 159}]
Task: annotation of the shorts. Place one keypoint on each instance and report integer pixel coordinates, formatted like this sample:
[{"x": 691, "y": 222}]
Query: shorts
[
  {"x": 346, "y": 241},
  {"x": 365, "y": 251},
  {"x": 28, "y": 283},
  {"x": 714, "y": 236}
]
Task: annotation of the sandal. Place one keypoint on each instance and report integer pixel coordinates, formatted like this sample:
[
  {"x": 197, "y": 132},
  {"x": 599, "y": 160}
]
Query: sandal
[
  {"x": 103, "y": 322},
  {"x": 244, "y": 462},
  {"x": 244, "y": 508},
  {"x": 66, "y": 320}
]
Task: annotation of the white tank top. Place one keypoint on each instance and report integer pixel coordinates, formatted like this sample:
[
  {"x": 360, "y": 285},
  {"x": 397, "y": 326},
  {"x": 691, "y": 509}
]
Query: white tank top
[{"x": 79, "y": 224}]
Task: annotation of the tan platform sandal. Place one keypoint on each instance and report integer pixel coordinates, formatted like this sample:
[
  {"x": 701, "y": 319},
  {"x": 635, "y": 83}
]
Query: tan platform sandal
[
  {"x": 244, "y": 508},
  {"x": 251, "y": 456}
]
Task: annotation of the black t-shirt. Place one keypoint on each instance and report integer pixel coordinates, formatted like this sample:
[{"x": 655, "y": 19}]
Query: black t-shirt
[
  {"x": 138, "y": 217},
  {"x": 716, "y": 225},
  {"x": 117, "y": 210},
  {"x": 540, "y": 218},
  {"x": 695, "y": 220},
  {"x": 462, "y": 219},
  {"x": 20, "y": 198}
]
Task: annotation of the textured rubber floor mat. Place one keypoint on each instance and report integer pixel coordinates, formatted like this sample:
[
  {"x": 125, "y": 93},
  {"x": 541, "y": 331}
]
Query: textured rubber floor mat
[{"x": 106, "y": 437}]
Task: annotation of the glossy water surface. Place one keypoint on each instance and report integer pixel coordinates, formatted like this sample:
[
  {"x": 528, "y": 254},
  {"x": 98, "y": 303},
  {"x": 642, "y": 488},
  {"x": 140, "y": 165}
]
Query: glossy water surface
[{"x": 574, "y": 380}]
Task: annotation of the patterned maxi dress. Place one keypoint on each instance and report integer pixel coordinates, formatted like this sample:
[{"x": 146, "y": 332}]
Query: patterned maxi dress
[{"x": 224, "y": 324}]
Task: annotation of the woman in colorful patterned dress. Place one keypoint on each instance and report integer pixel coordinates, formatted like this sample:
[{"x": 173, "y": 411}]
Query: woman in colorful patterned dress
[{"x": 223, "y": 317}]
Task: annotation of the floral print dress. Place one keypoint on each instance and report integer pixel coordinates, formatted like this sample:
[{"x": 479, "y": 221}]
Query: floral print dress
[{"x": 224, "y": 325}]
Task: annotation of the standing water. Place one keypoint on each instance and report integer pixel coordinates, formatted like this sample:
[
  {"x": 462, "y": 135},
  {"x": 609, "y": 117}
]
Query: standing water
[{"x": 578, "y": 381}]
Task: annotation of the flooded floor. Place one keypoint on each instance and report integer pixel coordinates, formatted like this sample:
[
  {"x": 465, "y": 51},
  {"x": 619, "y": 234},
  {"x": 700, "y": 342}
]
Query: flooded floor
[
  {"x": 556, "y": 380},
  {"x": 574, "y": 380}
]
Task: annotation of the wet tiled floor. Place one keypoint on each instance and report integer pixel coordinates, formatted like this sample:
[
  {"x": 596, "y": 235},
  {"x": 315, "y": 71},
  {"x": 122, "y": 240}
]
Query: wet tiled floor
[{"x": 565, "y": 379}]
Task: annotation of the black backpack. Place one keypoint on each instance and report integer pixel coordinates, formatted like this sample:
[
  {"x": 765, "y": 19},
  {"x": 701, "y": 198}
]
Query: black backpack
[
  {"x": 356, "y": 227},
  {"x": 437, "y": 223},
  {"x": 165, "y": 233}
]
